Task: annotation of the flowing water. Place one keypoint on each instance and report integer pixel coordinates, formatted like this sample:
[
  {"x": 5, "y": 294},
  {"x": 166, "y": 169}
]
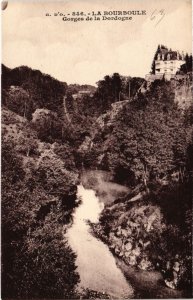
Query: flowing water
[{"x": 95, "y": 263}]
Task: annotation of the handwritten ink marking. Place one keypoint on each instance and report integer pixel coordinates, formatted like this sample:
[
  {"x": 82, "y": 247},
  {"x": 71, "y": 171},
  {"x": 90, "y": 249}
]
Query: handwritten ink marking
[{"x": 157, "y": 15}]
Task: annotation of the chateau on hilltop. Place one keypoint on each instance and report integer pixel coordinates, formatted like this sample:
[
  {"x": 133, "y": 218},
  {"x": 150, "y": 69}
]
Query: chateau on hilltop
[
  {"x": 168, "y": 62},
  {"x": 175, "y": 67}
]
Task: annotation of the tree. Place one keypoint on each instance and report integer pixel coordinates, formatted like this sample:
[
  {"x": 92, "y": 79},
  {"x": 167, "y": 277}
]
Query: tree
[
  {"x": 133, "y": 85},
  {"x": 53, "y": 176},
  {"x": 187, "y": 67},
  {"x": 19, "y": 101},
  {"x": 155, "y": 57},
  {"x": 116, "y": 86},
  {"x": 47, "y": 124}
]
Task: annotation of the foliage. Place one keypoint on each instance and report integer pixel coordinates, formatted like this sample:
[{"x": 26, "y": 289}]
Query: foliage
[
  {"x": 54, "y": 177},
  {"x": 37, "y": 201},
  {"x": 115, "y": 88},
  {"x": 155, "y": 56},
  {"x": 149, "y": 139},
  {"x": 45, "y": 266},
  {"x": 30, "y": 94},
  {"x": 187, "y": 67},
  {"x": 43, "y": 91},
  {"x": 18, "y": 100},
  {"x": 47, "y": 125},
  {"x": 64, "y": 152}
]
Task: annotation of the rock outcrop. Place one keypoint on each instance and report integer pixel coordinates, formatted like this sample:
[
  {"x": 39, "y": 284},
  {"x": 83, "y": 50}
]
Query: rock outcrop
[{"x": 134, "y": 234}]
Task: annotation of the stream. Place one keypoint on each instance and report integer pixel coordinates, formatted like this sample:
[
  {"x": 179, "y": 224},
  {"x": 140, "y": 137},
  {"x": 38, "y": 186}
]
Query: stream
[
  {"x": 95, "y": 263},
  {"x": 98, "y": 269}
]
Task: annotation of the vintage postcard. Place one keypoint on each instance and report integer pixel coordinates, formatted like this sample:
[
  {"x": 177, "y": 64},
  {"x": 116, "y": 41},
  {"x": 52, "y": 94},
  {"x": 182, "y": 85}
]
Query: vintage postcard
[{"x": 97, "y": 149}]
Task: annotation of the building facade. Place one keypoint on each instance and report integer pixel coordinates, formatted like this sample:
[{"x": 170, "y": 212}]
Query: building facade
[{"x": 168, "y": 62}]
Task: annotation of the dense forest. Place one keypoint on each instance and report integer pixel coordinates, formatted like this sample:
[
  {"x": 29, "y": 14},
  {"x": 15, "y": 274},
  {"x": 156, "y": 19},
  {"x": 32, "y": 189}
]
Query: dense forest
[
  {"x": 48, "y": 136},
  {"x": 149, "y": 149}
]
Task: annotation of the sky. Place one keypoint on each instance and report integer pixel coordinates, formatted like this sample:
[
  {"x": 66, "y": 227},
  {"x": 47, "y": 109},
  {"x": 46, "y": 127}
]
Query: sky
[{"x": 84, "y": 52}]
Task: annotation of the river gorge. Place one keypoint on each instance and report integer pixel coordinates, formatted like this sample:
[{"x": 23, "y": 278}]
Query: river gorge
[{"x": 98, "y": 268}]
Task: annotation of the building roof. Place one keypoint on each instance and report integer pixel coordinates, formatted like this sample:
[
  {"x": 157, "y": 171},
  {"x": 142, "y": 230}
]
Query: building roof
[{"x": 173, "y": 54}]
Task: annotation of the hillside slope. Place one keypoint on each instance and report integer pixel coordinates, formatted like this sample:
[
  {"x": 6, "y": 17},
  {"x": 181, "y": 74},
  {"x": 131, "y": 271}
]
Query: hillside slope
[{"x": 39, "y": 182}]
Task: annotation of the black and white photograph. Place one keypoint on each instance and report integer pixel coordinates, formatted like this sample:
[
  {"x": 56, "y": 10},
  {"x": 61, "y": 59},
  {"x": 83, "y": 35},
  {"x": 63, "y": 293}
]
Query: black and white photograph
[{"x": 96, "y": 149}]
